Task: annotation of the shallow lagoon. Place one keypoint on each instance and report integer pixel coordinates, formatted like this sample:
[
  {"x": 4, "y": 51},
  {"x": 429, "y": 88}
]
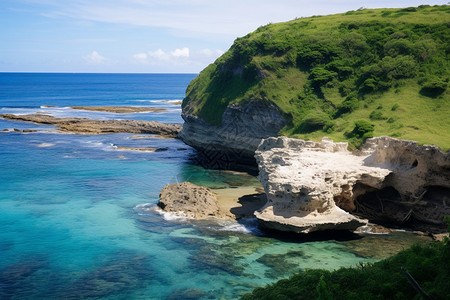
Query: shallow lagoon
[{"x": 73, "y": 224}]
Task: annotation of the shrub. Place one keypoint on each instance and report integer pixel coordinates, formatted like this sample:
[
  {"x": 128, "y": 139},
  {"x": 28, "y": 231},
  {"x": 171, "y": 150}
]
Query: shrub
[
  {"x": 362, "y": 127},
  {"x": 377, "y": 115},
  {"x": 320, "y": 76},
  {"x": 434, "y": 87},
  {"x": 398, "y": 47},
  {"x": 315, "y": 121},
  {"x": 350, "y": 104}
]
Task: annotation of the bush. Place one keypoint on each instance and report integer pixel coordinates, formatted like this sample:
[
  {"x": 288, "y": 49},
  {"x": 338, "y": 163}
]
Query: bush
[
  {"x": 434, "y": 87},
  {"x": 319, "y": 76},
  {"x": 315, "y": 121},
  {"x": 362, "y": 127},
  {"x": 377, "y": 115},
  {"x": 350, "y": 104}
]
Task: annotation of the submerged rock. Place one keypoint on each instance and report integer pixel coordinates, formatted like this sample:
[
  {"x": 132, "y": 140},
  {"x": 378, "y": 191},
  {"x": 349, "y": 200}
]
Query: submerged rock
[
  {"x": 190, "y": 201},
  {"x": 187, "y": 294},
  {"x": 313, "y": 186},
  {"x": 126, "y": 271}
]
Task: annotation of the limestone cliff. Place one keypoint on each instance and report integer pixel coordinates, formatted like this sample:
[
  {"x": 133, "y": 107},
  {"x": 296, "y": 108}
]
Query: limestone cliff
[
  {"x": 236, "y": 139},
  {"x": 313, "y": 186}
]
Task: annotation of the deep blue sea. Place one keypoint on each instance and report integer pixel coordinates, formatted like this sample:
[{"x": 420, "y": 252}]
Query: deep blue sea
[{"x": 77, "y": 218}]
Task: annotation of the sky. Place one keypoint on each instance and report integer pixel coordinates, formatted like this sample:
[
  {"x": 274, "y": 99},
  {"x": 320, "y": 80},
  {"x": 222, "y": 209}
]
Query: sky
[{"x": 143, "y": 36}]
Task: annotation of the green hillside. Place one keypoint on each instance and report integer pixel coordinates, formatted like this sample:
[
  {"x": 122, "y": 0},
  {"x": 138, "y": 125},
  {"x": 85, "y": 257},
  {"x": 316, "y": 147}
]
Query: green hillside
[{"x": 348, "y": 76}]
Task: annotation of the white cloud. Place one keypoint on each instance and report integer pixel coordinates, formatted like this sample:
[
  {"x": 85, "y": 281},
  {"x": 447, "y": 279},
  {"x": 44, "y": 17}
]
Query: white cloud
[
  {"x": 180, "y": 52},
  {"x": 95, "y": 58},
  {"x": 140, "y": 56},
  {"x": 175, "y": 57},
  {"x": 159, "y": 54}
]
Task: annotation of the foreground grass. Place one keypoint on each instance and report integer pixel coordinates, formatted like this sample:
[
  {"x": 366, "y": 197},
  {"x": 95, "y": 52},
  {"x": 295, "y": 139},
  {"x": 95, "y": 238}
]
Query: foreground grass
[
  {"x": 389, "y": 67},
  {"x": 428, "y": 264}
]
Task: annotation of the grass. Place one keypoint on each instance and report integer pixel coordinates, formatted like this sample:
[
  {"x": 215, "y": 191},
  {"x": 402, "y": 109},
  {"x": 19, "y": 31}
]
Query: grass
[{"x": 371, "y": 59}]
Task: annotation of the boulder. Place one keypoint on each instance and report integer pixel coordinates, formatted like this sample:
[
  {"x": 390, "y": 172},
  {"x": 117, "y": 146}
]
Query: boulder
[{"x": 190, "y": 201}]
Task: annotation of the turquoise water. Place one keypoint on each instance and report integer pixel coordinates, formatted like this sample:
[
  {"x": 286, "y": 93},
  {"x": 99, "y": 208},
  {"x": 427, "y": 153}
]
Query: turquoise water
[{"x": 77, "y": 218}]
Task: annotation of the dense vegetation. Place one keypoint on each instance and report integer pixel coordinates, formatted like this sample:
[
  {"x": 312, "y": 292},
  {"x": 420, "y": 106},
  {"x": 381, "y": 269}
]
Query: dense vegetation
[
  {"x": 349, "y": 76},
  {"x": 429, "y": 266}
]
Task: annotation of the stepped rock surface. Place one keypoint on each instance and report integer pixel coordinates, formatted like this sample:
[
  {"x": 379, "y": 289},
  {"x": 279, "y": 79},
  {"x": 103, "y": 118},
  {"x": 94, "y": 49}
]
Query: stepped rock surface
[
  {"x": 242, "y": 129},
  {"x": 90, "y": 126},
  {"x": 313, "y": 186}
]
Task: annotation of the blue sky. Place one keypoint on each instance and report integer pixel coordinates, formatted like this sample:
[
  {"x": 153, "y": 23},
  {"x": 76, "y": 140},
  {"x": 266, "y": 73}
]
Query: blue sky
[{"x": 142, "y": 36}]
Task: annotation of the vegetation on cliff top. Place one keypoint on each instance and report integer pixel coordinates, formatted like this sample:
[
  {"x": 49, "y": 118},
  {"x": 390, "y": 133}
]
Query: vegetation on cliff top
[{"x": 348, "y": 76}]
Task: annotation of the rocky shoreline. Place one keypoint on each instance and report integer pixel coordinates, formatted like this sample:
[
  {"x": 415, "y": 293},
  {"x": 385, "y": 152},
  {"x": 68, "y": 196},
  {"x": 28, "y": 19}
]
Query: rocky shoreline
[
  {"x": 316, "y": 186},
  {"x": 90, "y": 126},
  {"x": 309, "y": 186}
]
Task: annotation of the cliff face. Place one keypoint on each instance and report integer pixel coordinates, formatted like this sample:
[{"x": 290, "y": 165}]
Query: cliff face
[
  {"x": 313, "y": 186},
  {"x": 242, "y": 129}
]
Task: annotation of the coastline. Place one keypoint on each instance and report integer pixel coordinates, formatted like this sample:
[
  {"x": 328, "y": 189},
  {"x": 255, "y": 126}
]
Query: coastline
[{"x": 93, "y": 126}]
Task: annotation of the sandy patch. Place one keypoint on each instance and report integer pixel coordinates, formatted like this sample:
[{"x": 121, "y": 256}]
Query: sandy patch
[{"x": 240, "y": 201}]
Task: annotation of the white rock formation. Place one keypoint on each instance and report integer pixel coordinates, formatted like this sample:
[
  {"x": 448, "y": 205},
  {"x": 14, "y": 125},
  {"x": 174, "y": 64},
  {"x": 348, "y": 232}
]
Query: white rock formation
[{"x": 308, "y": 183}]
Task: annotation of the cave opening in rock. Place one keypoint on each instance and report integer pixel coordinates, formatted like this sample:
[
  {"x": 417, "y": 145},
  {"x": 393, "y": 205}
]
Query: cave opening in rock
[
  {"x": 439, "y": 195},
  {"x": 377, "y": 205}
]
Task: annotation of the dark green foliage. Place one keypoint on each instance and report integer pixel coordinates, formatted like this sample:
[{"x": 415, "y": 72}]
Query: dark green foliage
[
  {"x": 315, "y": 121},
  {"x": 350, "y": 104},
  {"x": 360, "y": 133},
  {"x": 362, "y": 127},
  {"x": 377, "y": 115},
  {"x": 319, "y": 76},
  {"x": 428, "y": 264},
  {"x": 379, "y": 76},
  {"x": 434, "y": 87}
]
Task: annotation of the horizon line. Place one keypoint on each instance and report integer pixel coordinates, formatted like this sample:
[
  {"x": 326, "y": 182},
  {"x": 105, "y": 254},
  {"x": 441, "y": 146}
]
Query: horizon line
[{"x": 50, "y": 72}]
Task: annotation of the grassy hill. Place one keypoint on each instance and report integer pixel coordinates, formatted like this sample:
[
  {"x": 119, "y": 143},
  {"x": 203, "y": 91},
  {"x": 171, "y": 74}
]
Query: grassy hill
[{"x": 349, "y": 76}]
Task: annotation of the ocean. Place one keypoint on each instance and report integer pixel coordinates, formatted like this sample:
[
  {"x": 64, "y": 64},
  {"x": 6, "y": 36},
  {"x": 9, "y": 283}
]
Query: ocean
[{"x": 77, "y": 217}]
